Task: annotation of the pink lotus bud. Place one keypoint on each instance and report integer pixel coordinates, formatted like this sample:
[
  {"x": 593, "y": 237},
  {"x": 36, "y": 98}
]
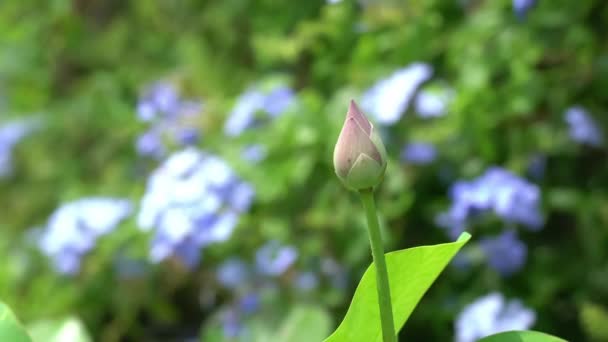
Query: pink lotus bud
[{"x": 359, "y": 155}]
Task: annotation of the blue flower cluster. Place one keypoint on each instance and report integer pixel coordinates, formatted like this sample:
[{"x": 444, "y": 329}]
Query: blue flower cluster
[
  {"x": 419, "y": 153},
  {"x": 510, "y": 197},
  {"x": 388, "y": 99},
  {"x": 169, "y": 116},
  {"x": 505, "y": 253},
  {"x": 583, "y": 128},
  {"x": 245, "y": 112},
  {"x": 273, "y": 266},
  {"x": 232, "y": 317},
  {"x": 492, "y": 314},
  {"x": 192, "y": 200},
  {"x": 272, "y": 260},
  {"x": 10, "y": 134},
  {"x": 74, "y": 228}
]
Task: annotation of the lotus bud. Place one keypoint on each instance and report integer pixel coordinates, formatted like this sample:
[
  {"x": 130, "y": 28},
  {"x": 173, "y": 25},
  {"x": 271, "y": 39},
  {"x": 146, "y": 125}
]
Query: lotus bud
[{"x": 359, "y": 155}]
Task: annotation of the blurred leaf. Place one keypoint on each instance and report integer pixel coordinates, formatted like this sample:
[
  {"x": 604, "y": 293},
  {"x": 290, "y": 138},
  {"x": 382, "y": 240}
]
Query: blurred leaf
[
  {"x": 521, "y": 336},
  {"x": 411, "y": 272},
  {"x": 594, "y": 319},
  {"x": 212, "y": 334},
  {"x": 304, "y": 324},
  {"x": 70, "y": 329},
  {"x": 10, "y": 328}
]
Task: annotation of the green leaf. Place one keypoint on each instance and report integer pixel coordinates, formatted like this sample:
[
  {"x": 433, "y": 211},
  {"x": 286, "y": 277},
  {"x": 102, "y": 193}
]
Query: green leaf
[
  {"x": 411, "y": 272},
  {"x": 10, "y": 328},
  {"x": 69, "y": 329},
  {"x": 304, "y": 324},
  {"x": 594, "y": 320},
  {"x": 521, "y": 336},
  {"x": 7, "y": 315}
]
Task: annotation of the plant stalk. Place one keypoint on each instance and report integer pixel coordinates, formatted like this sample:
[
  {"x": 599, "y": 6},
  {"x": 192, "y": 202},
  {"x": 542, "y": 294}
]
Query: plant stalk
[{"x": 384, "y": 292}]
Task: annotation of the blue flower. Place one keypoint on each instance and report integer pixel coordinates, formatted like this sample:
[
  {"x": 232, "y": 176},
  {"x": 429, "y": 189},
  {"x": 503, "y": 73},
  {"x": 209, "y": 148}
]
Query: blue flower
[
  {"x": 307, "y": 281},
  {"x": 150, "y": 144},
  {"x": 11, "y": 133},
  {"x": 521, "y": 7},
  {"x": 388, "y": 99},
  {"x": 161, "y": 100},
  {"x": 278, "y": 101},
  {"x": 505, "y": 253},
  {"x": 187, "y": 136},
  {"x": 419, "y": 153},
  {"x": 240, "y": 196},
  {"x": 231, "y": 324},
  {"x": 492, "y": 314},
  {"x": 583, "y": 128},
  {"x": 254, "y": 153},
  {"x": 169, "y": 115},
  {"x": 73, "y": 229},
  {"x": 511, "y": 198},
  {"x": 273, "y": 259},
  {"x": 244, "y": 113},
  {"x": 249, "y": 303},
  {"x": 233, "y": 273},
  {"x": 192, "y": 200},
  {"x": 432, "y": 103}
]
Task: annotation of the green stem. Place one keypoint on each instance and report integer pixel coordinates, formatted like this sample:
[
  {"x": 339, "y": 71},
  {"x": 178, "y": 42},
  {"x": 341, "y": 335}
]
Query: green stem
[{"x": 384, "y": 292}]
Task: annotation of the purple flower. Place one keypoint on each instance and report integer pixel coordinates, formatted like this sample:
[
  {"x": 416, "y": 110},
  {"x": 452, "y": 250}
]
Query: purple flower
[
  {"x": 232, "y": 318},
  {"x": 254, "y": 153},
  {"x": 254, "y": 100},
  {"x": 11, "y": 133},
  {"x": 150, "y": 144},
  {"x": 231, "y": 323},
  {"x": 419, "y": 153},
  {"x": 192, "y": 200},
  {"x": 432, "y": 103},
  {"x": 521, "y": 7},
  {"x": 73, "y": 229},
  {"x": 583, "y": 128},
  {"x": 187, "y": 136},
  {"x": 241, "y": 196},
  {"x": 505, "y": 253},
  {"x": 307, "y": 281},
  {"x": 388, "y": 99},
  {"x": 243, "y": 114},
  {"x": 170, "y": 117},
  {"x": 233, "y": 273},
  {"x": 511, "y": 198},
  {"x": 273, "y": 259},
  {"x": 492, "y": 314},
  {"x": 249, "y": 303},
  {"x": 278, "y": 101},
  {"x": 160, "y": 100}
]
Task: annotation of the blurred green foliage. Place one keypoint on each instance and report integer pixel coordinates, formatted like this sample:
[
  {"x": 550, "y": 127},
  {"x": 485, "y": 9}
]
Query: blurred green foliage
[{"x": 81, "y": 64}]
